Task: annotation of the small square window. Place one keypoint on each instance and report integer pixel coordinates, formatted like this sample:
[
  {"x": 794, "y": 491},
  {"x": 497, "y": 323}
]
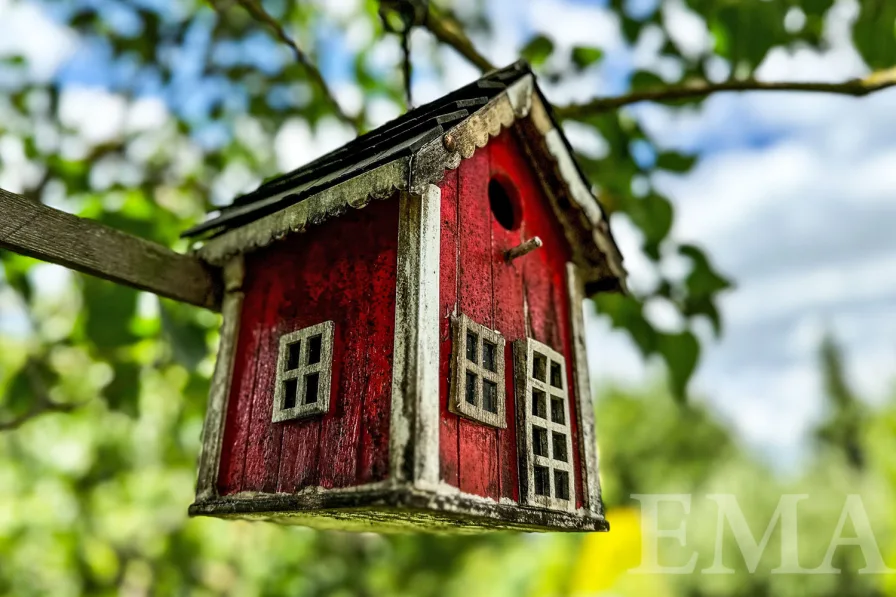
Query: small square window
[
  {"x": 542, "y": 481},
  {"x": 557, "y": 411},
  {"x": 558, "y": 446},
  {"x": 292, "y": 361},
  {"x": 490, "y": 396},
  {"x": 556, "y": 376},
  {"x": 291, "y": 392},
  {"x": 470, "y": 388},
  {"x": 539, "y": 441},
  {"x": 304, "y": 368},
  {"x": 539, "y": 409},
  {"x": 312, "y": 385},
  {"x": 477, "y": 379},
  {"x": 488, "y": 355},
  {"x": 472, "y": 345},
  {"x": 561, "y": 485},
  {"x": 539, "y": 367},
  {"x": 314, "y": 345}
]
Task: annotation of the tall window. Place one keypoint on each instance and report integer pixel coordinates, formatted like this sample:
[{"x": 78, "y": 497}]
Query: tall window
[
  {"x": 544, "y": 437},
  {"x": 477, "y": 386},
  {"x": 304, "y": 367}
]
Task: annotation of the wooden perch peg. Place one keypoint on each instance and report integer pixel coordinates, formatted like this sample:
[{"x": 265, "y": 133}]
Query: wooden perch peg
[{"x": 522, "y": 249}]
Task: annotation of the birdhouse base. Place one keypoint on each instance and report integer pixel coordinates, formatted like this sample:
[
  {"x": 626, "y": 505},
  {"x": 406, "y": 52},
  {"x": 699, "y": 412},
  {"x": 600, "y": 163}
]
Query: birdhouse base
[{"x": 391, "y": 508}]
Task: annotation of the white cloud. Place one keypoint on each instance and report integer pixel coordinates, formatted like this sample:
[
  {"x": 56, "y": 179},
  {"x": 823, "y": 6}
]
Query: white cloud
[
  {"x": 26, "y": 31},
  {"x": 95, "y": 113}
]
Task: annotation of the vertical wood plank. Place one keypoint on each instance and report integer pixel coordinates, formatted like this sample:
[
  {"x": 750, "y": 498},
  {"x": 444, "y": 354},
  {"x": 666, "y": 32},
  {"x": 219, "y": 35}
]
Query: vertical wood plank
[
  {"x": 509, "y": 315},
  {"x": 478, "y": 444},
  {"x": 239, "y": 407},
  {"x": 373, "y": 455},
  {"x": 543, "y": 272},
  {"x": 263, "y": 447},
  {"x": 448, "y": 283}
]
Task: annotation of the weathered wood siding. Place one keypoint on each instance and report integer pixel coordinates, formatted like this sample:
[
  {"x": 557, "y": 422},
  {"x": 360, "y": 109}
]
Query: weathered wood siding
[
  {"x": 476, "y": 280},
  {"x": 343, "y": 270}
]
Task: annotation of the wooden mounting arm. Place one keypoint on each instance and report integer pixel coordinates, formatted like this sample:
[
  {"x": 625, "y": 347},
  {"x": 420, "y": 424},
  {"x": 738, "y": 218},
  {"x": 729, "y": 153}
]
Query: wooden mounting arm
[{"x": 36, "y": 230}]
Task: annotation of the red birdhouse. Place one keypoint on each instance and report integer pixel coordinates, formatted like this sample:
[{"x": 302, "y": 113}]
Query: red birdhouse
[{"x": 403, "y": 340}]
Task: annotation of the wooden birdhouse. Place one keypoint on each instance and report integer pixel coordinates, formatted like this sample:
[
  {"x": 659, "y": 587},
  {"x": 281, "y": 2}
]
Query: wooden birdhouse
[{"x": 403, "y": 340}]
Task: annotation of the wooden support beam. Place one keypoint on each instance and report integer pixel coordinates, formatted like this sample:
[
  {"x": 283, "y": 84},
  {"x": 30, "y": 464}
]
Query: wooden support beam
[{"x": 36, "y": 230}]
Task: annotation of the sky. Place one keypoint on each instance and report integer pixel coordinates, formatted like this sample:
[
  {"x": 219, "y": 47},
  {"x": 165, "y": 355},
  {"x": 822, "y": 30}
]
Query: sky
[{"x": 792, "y": 199}]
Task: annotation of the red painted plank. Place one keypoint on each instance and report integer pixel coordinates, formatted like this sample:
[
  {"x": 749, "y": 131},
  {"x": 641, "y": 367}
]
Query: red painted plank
[
  {"x": 362, "y": 280},
  {"x": 478, "y": 444},
  {"x": 509, "y": 313},
  {"x": 373, "y": 456},
  {"x": 543, "y": 271},
  {"x": 263, "y": 446},
  {"x": 236, "y": 429},
  {"x": 448, "y": 280}
]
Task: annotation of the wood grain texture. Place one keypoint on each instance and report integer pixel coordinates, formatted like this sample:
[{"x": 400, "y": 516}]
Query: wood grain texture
[
  {"x": 478, "y": 444},
  {"x": 509, "y": 313},
  {"x": 36, "y": 230},
  {"x": 220, "y": 387},
  {"x": 298, "y": 282},
  {"x": 543, "y": 273},
  {"x": 449, "y": 463}
]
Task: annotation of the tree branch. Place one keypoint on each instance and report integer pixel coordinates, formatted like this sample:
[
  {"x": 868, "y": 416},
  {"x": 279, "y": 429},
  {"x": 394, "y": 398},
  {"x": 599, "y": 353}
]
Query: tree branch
[
  {"x": 447, "y": 30},
  {"x": 258, "y": 12},
  {"x": 856, "y": 87},
  {"x": 42, "y": 403}
]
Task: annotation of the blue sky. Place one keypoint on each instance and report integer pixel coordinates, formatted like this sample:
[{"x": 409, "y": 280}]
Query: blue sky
[{"x": 794, "y": 196}]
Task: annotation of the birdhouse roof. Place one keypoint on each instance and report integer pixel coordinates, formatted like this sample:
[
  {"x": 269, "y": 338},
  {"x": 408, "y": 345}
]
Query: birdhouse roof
[{"x": 411, "y": 152}]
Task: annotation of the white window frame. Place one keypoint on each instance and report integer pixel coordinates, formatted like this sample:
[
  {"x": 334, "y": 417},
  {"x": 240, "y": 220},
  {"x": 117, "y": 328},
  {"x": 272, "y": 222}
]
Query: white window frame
[
  {"x": 461, "y": 365},
  {"x": 524, "y": 362},
  {"x": 323, "y": 368}
]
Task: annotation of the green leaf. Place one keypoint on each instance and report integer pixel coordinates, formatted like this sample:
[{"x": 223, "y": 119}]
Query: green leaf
[
  {"x": 537, "y": 50},
  {"x": 627, "y": 313},
  {"x": 681, "y": 352},
  {"x": 584, "y": 56},
  {"x": 703, "y": 280},
  {"x": 643, "y": 79},
  {"x": 703, "y": 284},
  {"x": 108, "y": 309},
  {"x": 123, "y": 392},
  {"x": 874, "y": 34},
  {"x": 675, "y": 162},
  {"x": 187, "y": 338}
]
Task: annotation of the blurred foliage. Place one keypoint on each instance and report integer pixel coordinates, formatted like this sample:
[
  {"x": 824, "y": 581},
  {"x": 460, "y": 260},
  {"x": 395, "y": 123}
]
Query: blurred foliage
[
  {"x": 93, "y": 500},
  {"x": 94, "y": 503}
]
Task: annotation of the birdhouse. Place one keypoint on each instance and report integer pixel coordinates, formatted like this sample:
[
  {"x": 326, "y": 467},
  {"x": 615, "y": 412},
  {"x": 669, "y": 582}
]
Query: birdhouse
[{"x": 402, "y": 342}]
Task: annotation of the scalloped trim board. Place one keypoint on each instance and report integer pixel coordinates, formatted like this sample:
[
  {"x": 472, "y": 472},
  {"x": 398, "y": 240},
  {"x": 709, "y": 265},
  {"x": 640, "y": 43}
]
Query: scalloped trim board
[{"x": 427, "y": 166}]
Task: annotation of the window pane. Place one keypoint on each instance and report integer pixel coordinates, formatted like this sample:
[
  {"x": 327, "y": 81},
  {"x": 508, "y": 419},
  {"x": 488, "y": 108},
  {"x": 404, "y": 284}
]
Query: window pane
[
  {"x": 542, "y": 482},
  {"x": 314, "y": 349},
  {"x": 292, "y": 356},
  {"x": 540, "y": 441},
  {"x": 291, "y": 390},
  {"x": 312, "y": 381},
  {"x": 539, "y": 367},
  {"x": 561, "y": 485},
  {"x": 472, "y": 342},
  {"x": 539, "y": 407},
  {"x": 557, "y": 413},
  {"x": 470, "y": 390},
  {"x": 490, "y": 396},
  {"x": 556, "y": 378},
  {"x": 558, "y": 446},
  {"x": 488, "y": 355}
]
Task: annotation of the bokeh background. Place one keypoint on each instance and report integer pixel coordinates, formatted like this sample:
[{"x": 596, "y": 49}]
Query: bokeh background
[{"x": 754, "y": 357}]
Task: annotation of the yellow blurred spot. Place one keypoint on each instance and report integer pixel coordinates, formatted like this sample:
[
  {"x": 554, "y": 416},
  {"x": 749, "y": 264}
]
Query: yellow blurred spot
[{"x": 607, "y": 556}]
